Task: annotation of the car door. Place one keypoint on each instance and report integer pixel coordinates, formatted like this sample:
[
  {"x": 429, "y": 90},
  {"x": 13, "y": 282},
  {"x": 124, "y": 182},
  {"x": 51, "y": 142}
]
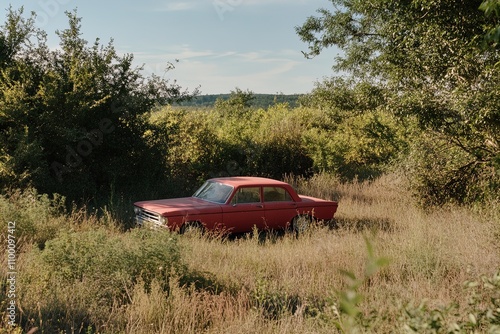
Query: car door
[
  {"x": 279, "y": 206},
  {"x": 245, "y": 210}
]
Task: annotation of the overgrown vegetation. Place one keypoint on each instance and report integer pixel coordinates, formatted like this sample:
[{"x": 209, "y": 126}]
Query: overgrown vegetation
[
  {"x": 421, "y": 272},
  {"x": 278, "y": 141},
  {"x": 403, "y": 144},
  {"x": 435, "y": 61},
  {"x": 71, "y": 119}
]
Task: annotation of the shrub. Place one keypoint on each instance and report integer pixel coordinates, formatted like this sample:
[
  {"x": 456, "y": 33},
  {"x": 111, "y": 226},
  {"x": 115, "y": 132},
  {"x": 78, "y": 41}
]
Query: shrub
[
  {"x": 38, "y": 217},
  {"x": 481, "y": 314},
  {"x": 80, "y": 278},
  {"x": 441, "y": 173},
  {"x": 273, "y": 303},
  {"x": 360, "y": 146},
  {"x": 73, "y": 118}
]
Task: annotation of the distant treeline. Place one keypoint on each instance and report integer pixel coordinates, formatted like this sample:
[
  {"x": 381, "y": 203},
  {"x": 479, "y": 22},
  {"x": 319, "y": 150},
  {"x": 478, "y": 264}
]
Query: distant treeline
[{"x": 258, "y": 101}]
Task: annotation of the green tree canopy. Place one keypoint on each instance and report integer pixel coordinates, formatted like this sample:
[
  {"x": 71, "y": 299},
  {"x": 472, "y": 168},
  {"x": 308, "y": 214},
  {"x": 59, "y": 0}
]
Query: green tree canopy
[
  {"x": 428, "y": 58},
  {"x": 491, "y": 9},
  {"x": 72, "y": 120},
  {"x": 237, "y": 104}
]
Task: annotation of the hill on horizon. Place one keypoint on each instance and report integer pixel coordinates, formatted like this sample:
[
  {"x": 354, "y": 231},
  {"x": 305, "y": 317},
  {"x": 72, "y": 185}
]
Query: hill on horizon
[{"x": 259, "y": 101}]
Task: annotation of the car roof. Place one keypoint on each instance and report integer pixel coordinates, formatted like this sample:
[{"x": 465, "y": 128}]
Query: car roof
[{"x": 248, "y": 181}]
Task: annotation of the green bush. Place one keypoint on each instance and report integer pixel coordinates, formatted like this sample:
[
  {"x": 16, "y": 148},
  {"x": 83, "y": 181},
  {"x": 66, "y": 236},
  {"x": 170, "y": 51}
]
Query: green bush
[
  {"x": 37, "y": 217},
  {"x": 479, "y": 314},
  {"x": 80, "y": 278},
  {"x": 273, "y": 303},
  {"x": 276, "y": 141},
  {"x": 74, "y": 120},
  {"x": 440, "y": 173},
  {"x": 361, "y": 146}
]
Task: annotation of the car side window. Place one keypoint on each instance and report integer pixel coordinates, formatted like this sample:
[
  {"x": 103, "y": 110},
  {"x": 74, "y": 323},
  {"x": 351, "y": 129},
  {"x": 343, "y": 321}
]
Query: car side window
[
  {"x": 276, "y": 194},
  {"x": 247, "y": 195}
]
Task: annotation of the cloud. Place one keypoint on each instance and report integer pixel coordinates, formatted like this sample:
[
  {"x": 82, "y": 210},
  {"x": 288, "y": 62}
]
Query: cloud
[
  {"x": 265, "y": 56},
  {"x": 186, "y": 53},
  {"x": 262, "y": 71}
]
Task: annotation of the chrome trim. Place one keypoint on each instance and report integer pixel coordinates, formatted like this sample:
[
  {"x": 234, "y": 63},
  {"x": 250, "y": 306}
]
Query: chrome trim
[{"x": 149, "y": 218}]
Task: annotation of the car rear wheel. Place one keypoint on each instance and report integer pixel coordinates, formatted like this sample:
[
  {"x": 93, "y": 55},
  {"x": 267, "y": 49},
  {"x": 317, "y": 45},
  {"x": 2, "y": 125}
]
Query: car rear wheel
[
  {"x": 192, "y": 228},
  {"x": 301, "y": 223}
]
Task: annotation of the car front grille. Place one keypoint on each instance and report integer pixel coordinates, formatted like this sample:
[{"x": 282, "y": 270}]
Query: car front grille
[{"x": 147, "y": 218}]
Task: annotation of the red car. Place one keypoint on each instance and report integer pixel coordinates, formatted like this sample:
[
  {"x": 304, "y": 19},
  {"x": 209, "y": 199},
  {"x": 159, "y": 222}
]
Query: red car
[{"x": 236, "y": 204}]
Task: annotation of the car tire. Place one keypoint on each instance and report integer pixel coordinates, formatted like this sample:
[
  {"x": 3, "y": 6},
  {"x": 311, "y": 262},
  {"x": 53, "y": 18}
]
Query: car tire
[
  {"x": 192, "y": 228},
  {"x": 300, "y": 224}
]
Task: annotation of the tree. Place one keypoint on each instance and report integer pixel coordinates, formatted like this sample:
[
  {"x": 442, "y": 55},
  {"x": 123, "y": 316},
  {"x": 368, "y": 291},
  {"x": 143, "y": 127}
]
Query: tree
[
  {"x": 73, "y": 120},
  {"x": 491, "y": 9},
  {"x": 238, "y": 104},
  {"x": 427, "y": 56}
]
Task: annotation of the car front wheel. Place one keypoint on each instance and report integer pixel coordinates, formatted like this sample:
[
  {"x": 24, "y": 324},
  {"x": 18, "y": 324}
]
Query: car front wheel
[
  {"x": 192, "y": 228},
  {"x": 301, "y": 223}
]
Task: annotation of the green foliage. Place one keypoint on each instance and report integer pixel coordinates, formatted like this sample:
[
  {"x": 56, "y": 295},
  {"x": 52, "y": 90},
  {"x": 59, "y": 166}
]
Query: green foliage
[
  {"x": 14, "y": 36},
  {"x": 345, "y": 312},
  {"x": 82, "y": 277},
  {"x": 423, "y": 59},
  {"x": 211, "y": 143},
  {"x": 361, "y": 146},
  {"x": 277, "y": 146},
  {"x": 72, "y": 118},
  {"x": 481, "y": 314},
  {"x": 440, "y": 173},
  {"x": 276, "y": 141},
  {"x": 491, "y": 8},
  {"x": 359, "y": 138},
  {"x": 137, "y": 254},
  {"x": 193, "y": 151},
  {"x": 38, "y": 217},
  {"x": 421, "y": 319},
  {"x": 237, "y": 105},
  {"x": 259, "y": 100},
  {"x": 344, "y": 98}
]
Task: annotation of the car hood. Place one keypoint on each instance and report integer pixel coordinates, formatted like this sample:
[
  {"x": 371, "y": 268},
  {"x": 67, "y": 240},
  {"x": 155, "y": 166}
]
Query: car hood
[{"x": 179, "y": 206}]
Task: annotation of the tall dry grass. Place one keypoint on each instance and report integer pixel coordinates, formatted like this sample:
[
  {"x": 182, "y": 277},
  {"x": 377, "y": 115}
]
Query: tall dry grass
[
  {"x": 431, "y": 254},
  {"x": 277, "y": 283}
]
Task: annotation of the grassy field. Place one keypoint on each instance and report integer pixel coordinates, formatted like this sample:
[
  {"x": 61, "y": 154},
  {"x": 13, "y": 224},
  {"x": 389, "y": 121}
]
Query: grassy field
[
  {"x": 387, "y": 266},
  {"x": 301, "y": 281}
]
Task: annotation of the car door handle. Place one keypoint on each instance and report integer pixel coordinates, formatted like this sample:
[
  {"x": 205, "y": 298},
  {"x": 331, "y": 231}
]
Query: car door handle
[{"x": 259, "y": 206}]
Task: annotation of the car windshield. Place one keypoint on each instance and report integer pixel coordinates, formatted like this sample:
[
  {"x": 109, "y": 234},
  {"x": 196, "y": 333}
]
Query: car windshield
[{"x": 214, "y": 192}]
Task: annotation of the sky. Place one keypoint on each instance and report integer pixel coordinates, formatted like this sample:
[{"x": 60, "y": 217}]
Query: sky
[{"x": 220, "y": 45}]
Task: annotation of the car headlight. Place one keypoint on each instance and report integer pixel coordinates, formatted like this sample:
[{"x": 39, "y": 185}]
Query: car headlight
[
  {"x": 137, "y": 210},
  {"x": 163, "y": 220}
]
